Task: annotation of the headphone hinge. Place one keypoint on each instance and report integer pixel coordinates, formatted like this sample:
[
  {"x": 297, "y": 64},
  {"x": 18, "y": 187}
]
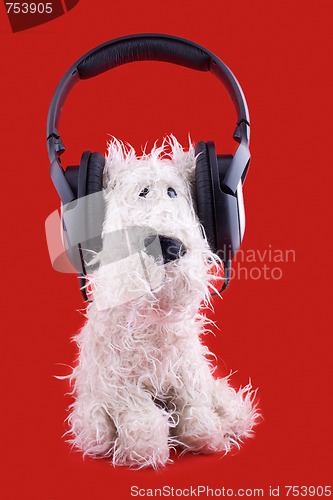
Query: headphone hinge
[
  {"x": 242, "y": 131},
  {"x": 55, "y": 143}
]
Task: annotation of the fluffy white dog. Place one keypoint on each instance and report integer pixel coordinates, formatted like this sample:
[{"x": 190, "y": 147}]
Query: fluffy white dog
[{"x": 143, "y": 382}]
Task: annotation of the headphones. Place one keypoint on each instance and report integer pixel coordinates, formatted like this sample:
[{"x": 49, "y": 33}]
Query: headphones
[{"x": 218, "y": 178}]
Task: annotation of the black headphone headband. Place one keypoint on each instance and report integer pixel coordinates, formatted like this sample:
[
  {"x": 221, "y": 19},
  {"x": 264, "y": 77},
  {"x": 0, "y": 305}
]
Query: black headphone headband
[{"x": 142, "y": 47}]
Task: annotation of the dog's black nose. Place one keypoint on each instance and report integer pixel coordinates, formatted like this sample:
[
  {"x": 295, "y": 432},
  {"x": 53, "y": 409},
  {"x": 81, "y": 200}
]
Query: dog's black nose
[{"x": 171, "y": 249}]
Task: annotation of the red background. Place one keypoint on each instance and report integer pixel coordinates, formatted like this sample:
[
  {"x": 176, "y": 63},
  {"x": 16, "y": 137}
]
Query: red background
[{"x": 278, "y": 332}]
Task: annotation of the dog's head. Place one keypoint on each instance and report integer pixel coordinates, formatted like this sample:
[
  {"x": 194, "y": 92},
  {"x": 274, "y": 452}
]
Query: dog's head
[{"x": 155, "y": 256}]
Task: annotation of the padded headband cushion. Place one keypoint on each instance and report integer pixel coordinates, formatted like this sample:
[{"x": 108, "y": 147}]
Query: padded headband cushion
[
  {"x": 150, "y": 48},
  {"x": 204, "y": 194}
]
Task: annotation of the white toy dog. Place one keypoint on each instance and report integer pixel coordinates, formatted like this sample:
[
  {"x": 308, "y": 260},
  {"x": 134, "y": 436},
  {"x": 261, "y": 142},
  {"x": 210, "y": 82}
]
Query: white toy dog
[{"x": 143, "y": 382}]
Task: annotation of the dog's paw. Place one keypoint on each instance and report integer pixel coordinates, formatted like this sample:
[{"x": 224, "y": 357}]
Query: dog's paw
[
  {"x": 93, "y": 430},
  {"x": 221, "y": 425},
  {"x": 236, "y": 409},
  {"x": 142, "y": 440},
  {"x": 200, "y": 429}
]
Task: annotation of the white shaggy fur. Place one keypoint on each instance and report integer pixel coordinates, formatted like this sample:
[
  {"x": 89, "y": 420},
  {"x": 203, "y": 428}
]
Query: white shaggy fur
[{"x": 143, "y": 382}]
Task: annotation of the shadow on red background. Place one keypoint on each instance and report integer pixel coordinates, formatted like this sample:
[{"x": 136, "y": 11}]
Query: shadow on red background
[{"x": 275, "y": 331}]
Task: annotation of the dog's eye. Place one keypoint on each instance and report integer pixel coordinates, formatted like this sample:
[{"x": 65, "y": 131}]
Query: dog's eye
[
  {"x": 143, "y": 193},
  {"x": 172, "y": 193}
]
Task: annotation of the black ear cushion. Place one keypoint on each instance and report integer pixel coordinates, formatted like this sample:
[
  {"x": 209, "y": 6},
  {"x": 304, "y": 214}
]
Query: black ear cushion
[
  {"x": 204, "y": 194},
  {"x": 96, "y": 164},
  {"x": 95, "y": 210}
]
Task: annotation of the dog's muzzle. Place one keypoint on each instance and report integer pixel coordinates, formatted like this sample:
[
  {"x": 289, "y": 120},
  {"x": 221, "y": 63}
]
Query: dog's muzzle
[{"x": 170, "y": 248}]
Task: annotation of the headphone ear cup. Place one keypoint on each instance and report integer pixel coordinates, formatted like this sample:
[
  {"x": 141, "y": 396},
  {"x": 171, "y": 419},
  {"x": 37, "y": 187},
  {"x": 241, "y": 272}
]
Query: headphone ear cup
[
  {"x": 204, "y": 193},
  {"x": 83, "y": 217},
  {"x": 95, "y": 206}
]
